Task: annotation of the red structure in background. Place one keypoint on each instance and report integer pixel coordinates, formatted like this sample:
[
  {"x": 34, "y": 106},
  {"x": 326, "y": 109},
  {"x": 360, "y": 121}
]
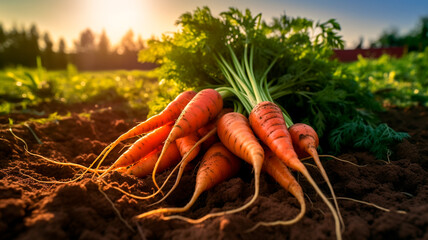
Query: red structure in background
[{"x": 350, "y": 55}]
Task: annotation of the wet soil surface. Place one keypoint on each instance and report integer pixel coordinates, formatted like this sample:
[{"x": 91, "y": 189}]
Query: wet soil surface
[{"x": 82, "y": 209}]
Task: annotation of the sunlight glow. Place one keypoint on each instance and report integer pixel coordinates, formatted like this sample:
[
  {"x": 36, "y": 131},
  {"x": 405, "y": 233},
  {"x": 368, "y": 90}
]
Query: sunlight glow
[{"x": 118, "y": 16}]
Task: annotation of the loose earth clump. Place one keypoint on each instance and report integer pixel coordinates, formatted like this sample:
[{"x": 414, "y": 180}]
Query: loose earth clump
[{"x": 80, "y": 210}]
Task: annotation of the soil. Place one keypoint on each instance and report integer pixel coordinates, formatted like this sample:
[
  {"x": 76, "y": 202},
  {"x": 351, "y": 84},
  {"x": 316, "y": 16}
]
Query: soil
[{"x": 31, "y": 209}]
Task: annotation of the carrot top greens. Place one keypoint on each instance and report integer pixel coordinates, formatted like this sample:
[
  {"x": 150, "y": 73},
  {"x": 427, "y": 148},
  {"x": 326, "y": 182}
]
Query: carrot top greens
[{"x": 287, "y": 61}]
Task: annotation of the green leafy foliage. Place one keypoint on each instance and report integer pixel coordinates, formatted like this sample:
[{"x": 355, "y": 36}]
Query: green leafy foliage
[
  {"x": 289, "y": 57},
  {"x": 166, "y": 92},
  {"x": 21, "y": 88},
  {"x": 400, "y": 82},
  {"x": 357, "y": 134},
  {"x": 27, "y": 86}
]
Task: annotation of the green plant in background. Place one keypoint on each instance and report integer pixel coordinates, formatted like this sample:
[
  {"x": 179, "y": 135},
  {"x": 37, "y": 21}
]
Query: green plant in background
[
  {"x": 24, "y": 86},
  {"x": 21, "y": 88},
  {"x": 357, "y": 134},
  {"x": 166, "y": 92},
  {"x": 400, "y": 82}
]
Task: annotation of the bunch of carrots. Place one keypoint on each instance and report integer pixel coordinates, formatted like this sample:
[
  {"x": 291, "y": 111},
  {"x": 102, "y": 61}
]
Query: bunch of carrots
[
  {"x": 256, "y": 130},
  {"x": 174, "y": 138}
]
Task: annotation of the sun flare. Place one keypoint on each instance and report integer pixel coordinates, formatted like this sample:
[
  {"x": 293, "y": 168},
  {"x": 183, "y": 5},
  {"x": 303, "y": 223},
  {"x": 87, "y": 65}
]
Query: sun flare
[{"x": 118, "y": 16}]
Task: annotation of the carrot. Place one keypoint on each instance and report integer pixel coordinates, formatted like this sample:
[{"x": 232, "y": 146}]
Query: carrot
[
  {"x": 204, "y": 131},
  {"x": 209, "y": 128},
  {"x": 185, "y": 144},
  {"x": 235, "y": 133},
  {"x": 187, "y": 156},
  {"x": 279, "y": 171},
  {"x": 189, "y": 147},
  {"x": 305, "y": 139},
  {"x": 141, "y": 147},
  {"x": 218, "y": 164},
  {"x": 203, "y": 108},
  {"x": 145, "y": 166},
  {"x": 169, "y": 114},
  {"x": 268, "y": 123},
  {"x": 305, "y": 142}
]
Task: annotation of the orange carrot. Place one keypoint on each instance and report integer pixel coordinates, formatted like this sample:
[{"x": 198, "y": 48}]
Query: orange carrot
[
  {"x": 279, "y": 171},
  {"x": 187, "y": 156},
  {"x": 268, "y": 123},
  {"x": 141, "y": 147},
  {"x": 203, "y": 108},
  {"x": 145, "y": 166},
  {"x": 203, "y": 131},
  {"x": 218, "y": 164},
  {"x": 191, "y": 147},
  {"x": 169, "y": 114},
  {"x": 305, "y": 142},
  {"x": 206, "y": 136},
  {"x": 235, "y": 133},
  {"x": 305, "y": 139},
  {"x": 185, "y": 144}
]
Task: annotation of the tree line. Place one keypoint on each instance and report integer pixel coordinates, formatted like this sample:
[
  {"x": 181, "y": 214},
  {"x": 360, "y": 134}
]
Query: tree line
[
  {"x": 22, "y": 46},
  {"x": 415, "y": 40}
]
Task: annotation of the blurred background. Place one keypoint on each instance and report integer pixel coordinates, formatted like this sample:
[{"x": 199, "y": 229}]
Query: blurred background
[{"x": 107, "y": 34}]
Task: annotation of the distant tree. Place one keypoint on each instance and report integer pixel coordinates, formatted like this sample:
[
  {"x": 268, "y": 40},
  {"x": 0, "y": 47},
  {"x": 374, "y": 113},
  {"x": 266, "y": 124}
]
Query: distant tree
[
  {"x": 389, "y": 38},
  {"x": 140, "y": 43},
  {"x": 423, "y": 33},
  {"x": 360, "y": 44},
  {"x": 48, "y": 43},
  {"x": 104, "y": 44},
  {"x": 18, "y": 50},
  {"x": 2, "y": 35},
  {"x": 86, "y": 42},
  {"x": 127, "y": 44},
  {"x": 20, "y": 46},
  {"x": 32, "y": 46},
  {"x": 416, "y": 39},
  {"x": 2, "y": 46},
  {"x": 48, "y": 53},
  {"x": 61, "y": 56},
  {"x": 62, "y": 46}
]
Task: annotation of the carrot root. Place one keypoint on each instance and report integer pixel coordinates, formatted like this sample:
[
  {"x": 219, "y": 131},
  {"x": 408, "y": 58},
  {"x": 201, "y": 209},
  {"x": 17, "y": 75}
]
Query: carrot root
[
  {"x": 203, "y": 108},
  {"x": 327, "y": 202},
  {"x": 305, "y": 141},
  {"x": 168, "y": 115},
  {"x": 235, "y": 133},
  {"x": 197, "y": 192},
  {"x": 140, "y": 148},
  {"x": 218, "y": 164},
  {"x": 371, "y": 204},
  {"x": 268, "y": 123},
  {"x": 282, "y": 223},
  {"x": 182, "y": 165},
  {"x": 280, "y": 172},
  {"x": 86, "y": 169}
]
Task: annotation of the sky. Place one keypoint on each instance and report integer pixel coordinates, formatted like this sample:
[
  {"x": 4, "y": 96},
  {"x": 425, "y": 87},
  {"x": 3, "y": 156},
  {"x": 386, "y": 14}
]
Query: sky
[{"x": 365, "y": 19}]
